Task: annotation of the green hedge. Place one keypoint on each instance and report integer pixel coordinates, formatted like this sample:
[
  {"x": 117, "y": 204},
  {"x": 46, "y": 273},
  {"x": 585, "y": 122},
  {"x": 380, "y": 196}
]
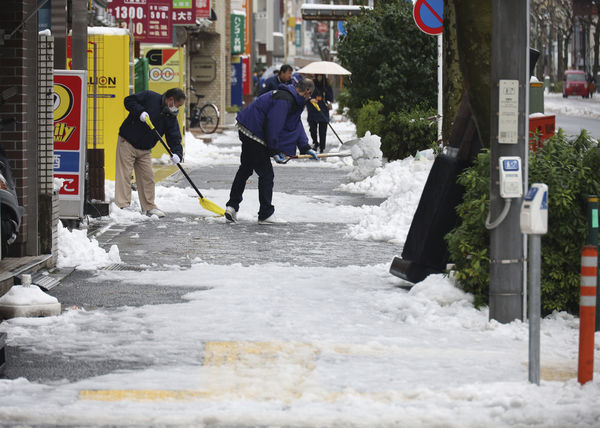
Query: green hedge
[
  {"x": 571, "y": 169},
  {"x": 402, "y": 133}
]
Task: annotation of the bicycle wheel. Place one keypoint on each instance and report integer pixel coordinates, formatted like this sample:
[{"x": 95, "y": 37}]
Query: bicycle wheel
[{"x": 209, "y": 118}]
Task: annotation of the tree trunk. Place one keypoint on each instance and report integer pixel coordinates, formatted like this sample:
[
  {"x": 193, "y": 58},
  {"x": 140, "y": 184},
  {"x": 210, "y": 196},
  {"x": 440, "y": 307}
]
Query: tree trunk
[
  {"x": 470, "y": 25},
  {"x": 452, "y": 80}
]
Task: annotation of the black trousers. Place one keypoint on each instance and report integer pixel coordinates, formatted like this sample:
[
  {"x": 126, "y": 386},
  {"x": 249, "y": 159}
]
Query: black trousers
[
  {"x": 322, "y": 127},
  {"x": 254, "y": 157}
]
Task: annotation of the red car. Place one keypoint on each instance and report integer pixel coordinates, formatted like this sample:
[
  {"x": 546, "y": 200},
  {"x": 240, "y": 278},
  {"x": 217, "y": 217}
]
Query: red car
[{"x": 574, "y": 83}]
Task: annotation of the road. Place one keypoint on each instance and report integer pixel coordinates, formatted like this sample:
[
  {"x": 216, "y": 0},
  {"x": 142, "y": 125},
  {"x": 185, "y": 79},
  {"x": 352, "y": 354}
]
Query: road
[{"x": 573, "y": 125}]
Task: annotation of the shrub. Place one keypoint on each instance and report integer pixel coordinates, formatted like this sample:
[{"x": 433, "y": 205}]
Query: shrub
[
  {"x": 571, "y": 169},
  {"x": 402, "y": 133},
  {"x": 391, "y": 60}
]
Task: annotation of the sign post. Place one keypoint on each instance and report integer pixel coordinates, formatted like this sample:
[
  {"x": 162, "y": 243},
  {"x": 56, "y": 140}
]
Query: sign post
[
  {"x": 70, "y": 131},
  {"x": 429, "y": 17}
]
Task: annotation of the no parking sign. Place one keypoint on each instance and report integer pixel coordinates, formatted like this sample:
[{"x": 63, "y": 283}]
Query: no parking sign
[{"x": 428, "y": 15}]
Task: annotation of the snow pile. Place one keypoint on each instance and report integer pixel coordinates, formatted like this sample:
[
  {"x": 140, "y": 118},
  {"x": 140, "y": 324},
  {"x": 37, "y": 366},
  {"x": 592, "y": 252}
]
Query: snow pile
[
  {"x": 26, "y": 295},
  {"x": 75, "y": 249},
  {"x": 403, "y": 182},
  {"x": 397, "y": 177},
  {"x": 367, "y": 157}
]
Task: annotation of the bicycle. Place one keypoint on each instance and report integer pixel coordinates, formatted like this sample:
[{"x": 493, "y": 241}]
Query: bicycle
[{"x": 206, "y": 116}]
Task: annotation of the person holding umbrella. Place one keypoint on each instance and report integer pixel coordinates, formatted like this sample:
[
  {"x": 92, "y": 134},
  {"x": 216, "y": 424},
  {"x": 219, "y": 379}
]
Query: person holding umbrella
[{"x": 318, "y": 119}]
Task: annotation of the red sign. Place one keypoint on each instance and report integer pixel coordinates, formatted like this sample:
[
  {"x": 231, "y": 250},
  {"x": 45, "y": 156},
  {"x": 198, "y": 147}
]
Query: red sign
[
  {"x": 67, "y": 112},
  {"x": 159, "y": 22},
  {"x": 202, "y": 8},
  {"x": 246, "y": 78},
  {"x": 428, "y": 15},
  {"x": 70, "y": 186},
  {"x": 184, "y": 16},
  {"x": 151, "y": 20}
]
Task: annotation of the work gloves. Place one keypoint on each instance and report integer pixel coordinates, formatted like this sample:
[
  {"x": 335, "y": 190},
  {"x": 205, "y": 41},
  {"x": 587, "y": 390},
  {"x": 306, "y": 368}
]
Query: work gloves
[
  {"x": 175, "y": 159},
  {"x": 143, "y": 117},
  {"x": 312, "y": 153},
  {"x": 279, "y": 158}
]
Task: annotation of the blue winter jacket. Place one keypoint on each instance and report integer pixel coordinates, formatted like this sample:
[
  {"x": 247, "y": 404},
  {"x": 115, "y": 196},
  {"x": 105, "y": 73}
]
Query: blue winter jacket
[
  {"x": 274, "y": 119},
  {"x": 139, "y": 134}
]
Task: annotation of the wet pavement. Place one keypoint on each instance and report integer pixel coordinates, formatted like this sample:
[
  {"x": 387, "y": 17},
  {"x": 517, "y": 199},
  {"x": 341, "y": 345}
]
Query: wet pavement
[{"x": 183, "y": 242}]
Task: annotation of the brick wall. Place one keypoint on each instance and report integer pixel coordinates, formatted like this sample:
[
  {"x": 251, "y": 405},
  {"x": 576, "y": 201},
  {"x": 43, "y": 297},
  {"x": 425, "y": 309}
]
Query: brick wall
[{"x": 18, "y": 68}]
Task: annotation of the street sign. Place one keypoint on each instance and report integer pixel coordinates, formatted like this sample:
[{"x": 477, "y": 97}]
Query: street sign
[{"x": 428, "y": 15}]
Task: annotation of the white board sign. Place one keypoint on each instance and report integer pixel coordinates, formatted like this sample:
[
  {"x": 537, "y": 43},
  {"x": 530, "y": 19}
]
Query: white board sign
[{"x": 508, "y": 112}]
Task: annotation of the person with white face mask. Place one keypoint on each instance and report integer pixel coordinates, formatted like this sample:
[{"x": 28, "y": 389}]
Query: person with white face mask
[{"x": 136, "y": 141}]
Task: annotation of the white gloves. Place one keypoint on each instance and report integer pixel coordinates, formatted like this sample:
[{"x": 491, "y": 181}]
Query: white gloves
[
  {"x": 175, "y": 159},
  {"x": 143, "y": 117}
]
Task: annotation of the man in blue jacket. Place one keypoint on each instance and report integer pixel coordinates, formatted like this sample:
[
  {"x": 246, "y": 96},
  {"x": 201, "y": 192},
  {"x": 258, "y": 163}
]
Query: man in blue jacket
[
  {"x": 136, "y": 140},
  {"x": 284, "y": 76},
  {"x": 269, "y": 126}
]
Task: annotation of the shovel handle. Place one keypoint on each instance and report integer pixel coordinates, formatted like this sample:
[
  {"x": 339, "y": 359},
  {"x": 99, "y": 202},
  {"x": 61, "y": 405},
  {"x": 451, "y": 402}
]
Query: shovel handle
[{"x": 151, "y": 126}]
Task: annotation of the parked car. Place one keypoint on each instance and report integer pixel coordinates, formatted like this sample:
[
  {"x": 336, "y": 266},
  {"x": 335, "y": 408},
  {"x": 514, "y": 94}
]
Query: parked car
[
  {"x": 11, "y": 212},
  {"x": 574, "y": 83}
]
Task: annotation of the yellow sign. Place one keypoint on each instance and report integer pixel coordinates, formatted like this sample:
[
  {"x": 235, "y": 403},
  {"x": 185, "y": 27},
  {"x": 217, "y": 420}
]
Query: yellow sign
[
  {"x": 166, "y": 70},
  {"x": 108, "y": 85}
]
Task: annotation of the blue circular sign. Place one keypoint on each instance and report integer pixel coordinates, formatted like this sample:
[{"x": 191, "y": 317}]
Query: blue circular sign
[{"x": 428, "y": 15}]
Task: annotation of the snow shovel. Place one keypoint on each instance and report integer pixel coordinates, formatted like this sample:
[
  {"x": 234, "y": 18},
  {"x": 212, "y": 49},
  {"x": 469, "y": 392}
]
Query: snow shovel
[
  {"x": 320, "y": 155},
  {"x": 205, "y": 203}
]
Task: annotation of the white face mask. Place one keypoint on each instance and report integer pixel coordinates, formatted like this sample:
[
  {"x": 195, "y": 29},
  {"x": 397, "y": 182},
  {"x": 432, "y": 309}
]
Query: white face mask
[{"x": 174, "y": 109}]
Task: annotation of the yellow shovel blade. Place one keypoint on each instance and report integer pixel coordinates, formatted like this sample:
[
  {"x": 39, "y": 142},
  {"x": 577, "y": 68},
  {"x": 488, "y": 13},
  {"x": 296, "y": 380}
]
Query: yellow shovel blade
[{"x": 211, "y": 206}]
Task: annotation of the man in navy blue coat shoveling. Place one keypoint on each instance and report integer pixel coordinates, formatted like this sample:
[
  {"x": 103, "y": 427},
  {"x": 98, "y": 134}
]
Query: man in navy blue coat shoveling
[{"x": 269, "y": 127}]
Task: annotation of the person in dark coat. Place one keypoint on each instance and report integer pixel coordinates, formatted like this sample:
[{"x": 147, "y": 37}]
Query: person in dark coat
[
  {"x": 273, "y": 82},
  {"x": 318, "y": 120},
  {"x": 136, "y": 141},
  {"x": 269, "y": 126}
]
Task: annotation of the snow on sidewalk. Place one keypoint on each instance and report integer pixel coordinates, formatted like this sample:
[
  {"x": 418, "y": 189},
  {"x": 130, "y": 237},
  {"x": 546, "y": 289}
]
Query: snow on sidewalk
[{"x": 285, "y": 345}]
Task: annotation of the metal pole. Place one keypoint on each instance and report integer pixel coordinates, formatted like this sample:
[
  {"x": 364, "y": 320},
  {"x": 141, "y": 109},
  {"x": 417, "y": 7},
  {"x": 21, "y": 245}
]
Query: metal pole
[
  {"x": 592, "y": 215},
  {"x": 440, "y": 85},
  {"x": 95, "y": 91},
  {"x": 535, "y": 249},
  {"x": 510, "y": 61}
]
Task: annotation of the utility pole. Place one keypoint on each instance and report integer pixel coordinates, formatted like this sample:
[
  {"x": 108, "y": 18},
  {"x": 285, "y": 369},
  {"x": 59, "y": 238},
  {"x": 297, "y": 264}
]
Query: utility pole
[{"x": 508, "y": 137}]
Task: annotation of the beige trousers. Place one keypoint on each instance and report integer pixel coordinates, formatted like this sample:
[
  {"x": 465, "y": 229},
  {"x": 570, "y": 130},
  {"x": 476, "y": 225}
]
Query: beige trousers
[{"x": 130, "y": 159}]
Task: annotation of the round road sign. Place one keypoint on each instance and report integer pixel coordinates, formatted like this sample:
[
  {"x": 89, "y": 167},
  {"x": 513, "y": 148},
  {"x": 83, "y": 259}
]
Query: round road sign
[{"x": 428, "y": 15}]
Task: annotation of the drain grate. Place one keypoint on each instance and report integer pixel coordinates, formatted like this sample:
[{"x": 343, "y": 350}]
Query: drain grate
[
  {"x": 120, "y": 266},
  {"x": 45, "y": 282}
]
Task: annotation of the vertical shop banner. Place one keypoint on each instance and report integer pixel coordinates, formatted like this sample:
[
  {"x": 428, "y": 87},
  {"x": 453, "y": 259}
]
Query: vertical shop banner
[
  {"x": 298, "y": 34},
  {"x": 183, "y": 12},
  {"x": 237, "y": 33},
  {"x": 70, "y": 107},
  {"x": 246, "y": 76},
  {"x": 247, "y": 6},
  {"x": 236, "y": 81},
  {"x": 202, "y": 8}
]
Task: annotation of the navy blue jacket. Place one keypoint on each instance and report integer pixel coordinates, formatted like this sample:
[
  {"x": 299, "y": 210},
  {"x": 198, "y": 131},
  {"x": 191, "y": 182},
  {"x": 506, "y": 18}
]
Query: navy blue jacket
[
  {"x": 322, "y": 94},
  {"x": 270, "y": 84},
  {"x": 274, "y": 119},
  {"x": 137, "y": 132}
]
